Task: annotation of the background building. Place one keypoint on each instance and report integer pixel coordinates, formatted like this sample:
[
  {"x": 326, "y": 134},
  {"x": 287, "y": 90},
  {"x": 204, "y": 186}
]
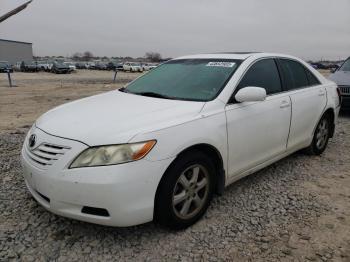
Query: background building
[{"x": 15, "y": 51}]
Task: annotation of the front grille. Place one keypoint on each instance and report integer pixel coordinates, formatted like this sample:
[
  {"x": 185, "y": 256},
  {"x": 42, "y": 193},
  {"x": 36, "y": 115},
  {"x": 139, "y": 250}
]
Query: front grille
[
  {"x": 45, "y": 154},
  {"x": 344, "y": 90}
]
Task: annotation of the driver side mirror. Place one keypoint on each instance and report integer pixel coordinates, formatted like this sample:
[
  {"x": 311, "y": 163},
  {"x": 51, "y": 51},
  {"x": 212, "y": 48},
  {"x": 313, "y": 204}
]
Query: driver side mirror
[{"x": 251, "y": 94}]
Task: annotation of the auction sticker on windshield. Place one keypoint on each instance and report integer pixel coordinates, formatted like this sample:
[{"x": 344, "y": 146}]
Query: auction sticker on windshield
[{"x": 221, "y": 64}]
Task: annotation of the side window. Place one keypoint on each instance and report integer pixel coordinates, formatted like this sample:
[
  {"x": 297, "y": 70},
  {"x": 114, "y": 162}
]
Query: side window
[
  {"x": 263, "y": 73},
  {"x": 313, "y": 81},
  {"x": 294, "y": 74}
]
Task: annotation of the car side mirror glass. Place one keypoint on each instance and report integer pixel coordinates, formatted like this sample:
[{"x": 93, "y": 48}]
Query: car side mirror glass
[{"x": 251, "y": 94}]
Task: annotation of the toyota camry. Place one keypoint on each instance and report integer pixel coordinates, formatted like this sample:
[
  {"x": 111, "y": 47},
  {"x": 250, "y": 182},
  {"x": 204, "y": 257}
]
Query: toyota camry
[{"x": 163, "y": 145}]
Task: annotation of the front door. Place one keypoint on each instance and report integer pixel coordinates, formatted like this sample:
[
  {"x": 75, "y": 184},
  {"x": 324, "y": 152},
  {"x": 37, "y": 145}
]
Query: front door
[{"x": 258, "y": 131}]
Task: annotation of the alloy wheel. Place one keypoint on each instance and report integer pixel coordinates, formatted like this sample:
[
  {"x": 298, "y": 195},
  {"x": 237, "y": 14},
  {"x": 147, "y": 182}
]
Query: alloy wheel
[
  {"x": 191, "y": 191},
  {"x": 322, "y": 133}
]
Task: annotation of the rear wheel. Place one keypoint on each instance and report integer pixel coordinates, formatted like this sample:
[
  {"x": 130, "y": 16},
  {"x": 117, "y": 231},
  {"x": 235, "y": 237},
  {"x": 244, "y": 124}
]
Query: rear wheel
[
  {"x": 185, "y": 191},
  {"x": 321, "y": 136}
]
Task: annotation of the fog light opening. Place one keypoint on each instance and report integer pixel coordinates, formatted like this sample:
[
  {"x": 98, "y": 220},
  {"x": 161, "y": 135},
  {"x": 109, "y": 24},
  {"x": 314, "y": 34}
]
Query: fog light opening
[{"x": 95, "y": 211}]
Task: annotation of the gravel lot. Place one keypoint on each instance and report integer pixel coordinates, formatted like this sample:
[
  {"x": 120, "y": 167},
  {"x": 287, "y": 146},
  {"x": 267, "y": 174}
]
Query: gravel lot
[
  {"x": 36, "y": 93},
  {"x": 295, "y": 210}
]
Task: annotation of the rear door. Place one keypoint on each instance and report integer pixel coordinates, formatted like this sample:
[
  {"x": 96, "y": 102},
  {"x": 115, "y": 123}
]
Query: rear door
[{"x": 308, "y": 98}]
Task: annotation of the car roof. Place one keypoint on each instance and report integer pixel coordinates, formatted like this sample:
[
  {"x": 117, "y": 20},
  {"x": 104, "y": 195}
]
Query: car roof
[{"x": 235, "y": 55}]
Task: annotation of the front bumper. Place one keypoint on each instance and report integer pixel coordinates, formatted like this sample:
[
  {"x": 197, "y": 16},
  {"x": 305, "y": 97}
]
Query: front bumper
[{"x": 125, "y": 191}]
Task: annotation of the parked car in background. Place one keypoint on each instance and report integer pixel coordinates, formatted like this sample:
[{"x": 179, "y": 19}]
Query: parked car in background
[
  {"x": 17, "y": 66},
  {"x": 43, "y": 65},
  {"x": 81, "y": 65},
  {"x": 101, "y": 66},
  {"x": 160, "y": 147},
  {"x": 30, "y": 66},
  {"x": 132, "y": 67},
  {"x": 71, "y": 66},
  {"x": 60, "y": 68},
  {"x": 91, "y": 65},
  {"x": 342, "y": 78},
  {"x": 148, "y": 66},
  {"x": 112, "y": 65},
  {"x": 319, "y": 66},
  {"x": 5, "y": 67}
]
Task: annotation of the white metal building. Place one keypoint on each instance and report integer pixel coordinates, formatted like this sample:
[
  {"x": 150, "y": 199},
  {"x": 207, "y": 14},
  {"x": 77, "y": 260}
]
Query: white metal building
[{"x": 15, "y": 51}]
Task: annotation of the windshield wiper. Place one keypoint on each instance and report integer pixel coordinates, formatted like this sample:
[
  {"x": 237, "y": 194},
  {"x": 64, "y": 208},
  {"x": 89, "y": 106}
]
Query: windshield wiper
[
  {"x": 150, "y": 94},
  {"x": 153, "y": 94}
]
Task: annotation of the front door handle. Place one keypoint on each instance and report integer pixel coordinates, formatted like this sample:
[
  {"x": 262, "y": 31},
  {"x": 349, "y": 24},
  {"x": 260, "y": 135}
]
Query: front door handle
[{"x": 284, "y": 104}]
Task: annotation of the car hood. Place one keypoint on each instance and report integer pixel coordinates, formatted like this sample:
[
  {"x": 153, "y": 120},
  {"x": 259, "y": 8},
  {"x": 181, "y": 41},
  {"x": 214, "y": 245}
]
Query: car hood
[
  {"x": 115, "y": 117},
  {"x": 341, "y": 78}
]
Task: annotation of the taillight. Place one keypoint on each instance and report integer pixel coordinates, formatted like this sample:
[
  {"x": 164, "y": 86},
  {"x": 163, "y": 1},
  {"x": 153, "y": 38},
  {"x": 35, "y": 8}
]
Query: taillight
[{"x": 339, "y": 94}]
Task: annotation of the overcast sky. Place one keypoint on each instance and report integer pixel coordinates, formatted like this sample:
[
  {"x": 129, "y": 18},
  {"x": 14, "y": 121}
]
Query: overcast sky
[{"x": 311, "y": 29}]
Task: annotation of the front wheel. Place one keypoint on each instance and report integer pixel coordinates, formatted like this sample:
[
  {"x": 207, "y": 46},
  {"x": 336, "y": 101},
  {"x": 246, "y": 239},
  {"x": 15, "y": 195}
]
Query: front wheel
[
  {"x": 321, "y": 136},
  {"x": 185, "y": 191}
]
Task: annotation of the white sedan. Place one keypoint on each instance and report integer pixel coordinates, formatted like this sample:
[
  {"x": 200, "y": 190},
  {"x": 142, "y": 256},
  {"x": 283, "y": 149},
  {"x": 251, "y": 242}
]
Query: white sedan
[
  {"x": 148, "y": 66},
  {"x": 159, "y": 148},
  {"x": 132, "y": 67}
]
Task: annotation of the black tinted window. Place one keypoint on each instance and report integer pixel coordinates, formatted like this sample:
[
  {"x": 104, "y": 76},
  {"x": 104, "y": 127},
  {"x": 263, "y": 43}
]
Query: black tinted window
[
  {"x": 263, "y": 74},
  {"x": 313, "y": 81},
  {"x": 294, "y": 74}
]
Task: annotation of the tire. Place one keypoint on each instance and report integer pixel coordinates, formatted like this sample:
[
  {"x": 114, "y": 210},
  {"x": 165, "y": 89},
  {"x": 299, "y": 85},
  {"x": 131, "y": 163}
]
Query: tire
[
  {"x": 179, "y": 184},
  {"x": 321, "y": 136}
]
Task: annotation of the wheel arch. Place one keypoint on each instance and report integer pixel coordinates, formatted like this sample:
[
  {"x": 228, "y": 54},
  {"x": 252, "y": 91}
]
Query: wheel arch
[
  {"x": 330, "y": 112},
  {"x": 214, "y": 154}
]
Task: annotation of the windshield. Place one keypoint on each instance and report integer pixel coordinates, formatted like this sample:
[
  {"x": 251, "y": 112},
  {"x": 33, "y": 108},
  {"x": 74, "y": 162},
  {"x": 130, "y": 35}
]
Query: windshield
[
  {"x": 186, "y": 79},
  {"x": 345, "y": 66}
]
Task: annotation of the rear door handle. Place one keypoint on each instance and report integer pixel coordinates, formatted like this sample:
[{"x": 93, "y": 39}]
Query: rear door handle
[{"x": 284, "y": 104}]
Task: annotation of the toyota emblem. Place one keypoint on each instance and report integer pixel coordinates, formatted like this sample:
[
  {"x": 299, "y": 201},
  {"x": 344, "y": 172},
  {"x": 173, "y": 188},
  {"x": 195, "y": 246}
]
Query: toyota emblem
[{"x": 32, "y": 140}]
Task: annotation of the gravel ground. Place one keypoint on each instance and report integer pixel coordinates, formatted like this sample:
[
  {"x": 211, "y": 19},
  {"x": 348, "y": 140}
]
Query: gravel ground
[{"x": 295, "y": 210}]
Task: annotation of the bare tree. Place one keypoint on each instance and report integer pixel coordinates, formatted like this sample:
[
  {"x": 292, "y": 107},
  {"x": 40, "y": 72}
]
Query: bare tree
[
  {"x": 153, "y": 56},
  {"x": 87, "y": 56}
]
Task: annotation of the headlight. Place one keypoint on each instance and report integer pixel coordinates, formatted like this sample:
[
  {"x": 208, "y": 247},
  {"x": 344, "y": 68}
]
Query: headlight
[{"x": 113, "y": 154}]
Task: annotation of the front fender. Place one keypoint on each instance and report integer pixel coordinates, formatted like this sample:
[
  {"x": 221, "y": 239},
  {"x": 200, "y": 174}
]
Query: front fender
[{"x": 173, "y": 140}]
